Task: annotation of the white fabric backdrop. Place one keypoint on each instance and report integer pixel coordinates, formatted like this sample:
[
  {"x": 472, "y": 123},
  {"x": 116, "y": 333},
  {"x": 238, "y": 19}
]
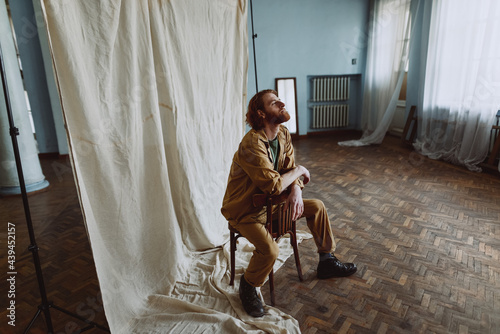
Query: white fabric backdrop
[
  {"x": 153, "y": 94},
  {"x": 387, "y": 58},
  {"x": 462, "y": 82}
]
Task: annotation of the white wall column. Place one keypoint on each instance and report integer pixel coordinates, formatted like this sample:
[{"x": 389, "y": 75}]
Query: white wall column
[{"x": 33, "y": 176}]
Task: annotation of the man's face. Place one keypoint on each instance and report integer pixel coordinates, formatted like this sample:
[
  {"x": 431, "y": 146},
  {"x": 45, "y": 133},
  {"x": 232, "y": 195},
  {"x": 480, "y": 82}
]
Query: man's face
[{"x": 275, "y": 109}]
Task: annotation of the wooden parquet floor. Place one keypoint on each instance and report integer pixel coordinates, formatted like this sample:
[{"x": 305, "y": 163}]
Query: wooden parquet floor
[
  {"x": 65, "y": 256},
  {"x": 424, "y": 234}
]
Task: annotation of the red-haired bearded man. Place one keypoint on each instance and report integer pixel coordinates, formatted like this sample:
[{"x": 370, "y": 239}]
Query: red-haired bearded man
[{"x": 264, "y": 163}]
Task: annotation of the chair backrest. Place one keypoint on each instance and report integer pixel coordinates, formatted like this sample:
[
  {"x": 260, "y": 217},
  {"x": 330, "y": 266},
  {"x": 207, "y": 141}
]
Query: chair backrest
[{"x": 284, "y": 217}]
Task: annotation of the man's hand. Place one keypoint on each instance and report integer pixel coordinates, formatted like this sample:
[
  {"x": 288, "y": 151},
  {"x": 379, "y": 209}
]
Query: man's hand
[
  {"x": 295, "y": 200},
  {"x": 305, "y": 174}
]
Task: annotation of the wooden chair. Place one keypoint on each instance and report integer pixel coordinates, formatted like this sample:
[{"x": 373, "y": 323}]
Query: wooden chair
[
  {"x": 496, "y": 147},
  {"x": 277, "y": 228},
  {"x": 411, "y": 123}
]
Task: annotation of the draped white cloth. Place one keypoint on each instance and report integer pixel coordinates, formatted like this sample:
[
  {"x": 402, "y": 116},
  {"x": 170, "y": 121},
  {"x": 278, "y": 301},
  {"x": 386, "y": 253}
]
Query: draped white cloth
[
  {"x": 462, "y": 82},
  {"x": 387, "y": 58},
  {"x": 153, "y": 94}
]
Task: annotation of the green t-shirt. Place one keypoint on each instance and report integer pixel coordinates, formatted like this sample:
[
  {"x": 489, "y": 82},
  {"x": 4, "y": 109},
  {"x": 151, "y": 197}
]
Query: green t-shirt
[{"x": 275, "y": 150}]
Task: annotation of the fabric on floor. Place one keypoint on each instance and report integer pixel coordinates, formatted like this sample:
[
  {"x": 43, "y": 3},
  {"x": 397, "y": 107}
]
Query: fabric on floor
[{"x": 153, "y": 94}]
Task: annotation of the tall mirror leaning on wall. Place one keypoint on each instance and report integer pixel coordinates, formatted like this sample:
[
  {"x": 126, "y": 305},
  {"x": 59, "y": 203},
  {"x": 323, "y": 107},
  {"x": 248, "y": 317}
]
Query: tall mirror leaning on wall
[{"x": 287, "y": 92}]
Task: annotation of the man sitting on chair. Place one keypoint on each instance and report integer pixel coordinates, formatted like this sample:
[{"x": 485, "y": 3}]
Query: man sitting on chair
[{"x": 264, "y": 163}]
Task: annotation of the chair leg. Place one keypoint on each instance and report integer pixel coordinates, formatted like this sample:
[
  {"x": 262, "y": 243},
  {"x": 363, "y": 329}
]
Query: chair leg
[
  {"x": 293, "y": 241},
  {"x": 271, "y": 286},
  {"x": 232, "y": 251}
]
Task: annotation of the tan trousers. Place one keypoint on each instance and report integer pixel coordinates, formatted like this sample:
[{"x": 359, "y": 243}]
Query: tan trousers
[{"x": 266, "y": 249}]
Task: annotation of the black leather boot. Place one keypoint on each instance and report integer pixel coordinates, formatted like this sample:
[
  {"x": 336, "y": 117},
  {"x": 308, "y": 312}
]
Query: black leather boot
[
  {"x": 332, "y": 267},
  {"x": 250, "y": 300}
]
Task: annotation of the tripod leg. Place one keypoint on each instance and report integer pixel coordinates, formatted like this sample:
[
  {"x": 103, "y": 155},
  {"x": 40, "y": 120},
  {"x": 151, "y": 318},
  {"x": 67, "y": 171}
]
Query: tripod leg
[
  {"x": 76, "y": 316},
  {"x": 48, "y": 319},
  {"x": 32, "y": 321}
]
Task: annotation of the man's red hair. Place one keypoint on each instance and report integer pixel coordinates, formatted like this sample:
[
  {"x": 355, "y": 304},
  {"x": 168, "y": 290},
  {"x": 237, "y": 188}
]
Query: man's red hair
[{"x": 255, "y": 120}]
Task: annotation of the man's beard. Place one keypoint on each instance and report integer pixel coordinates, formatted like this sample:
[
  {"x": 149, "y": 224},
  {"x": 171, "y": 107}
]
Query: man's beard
[{"x": 280, "y": 118}]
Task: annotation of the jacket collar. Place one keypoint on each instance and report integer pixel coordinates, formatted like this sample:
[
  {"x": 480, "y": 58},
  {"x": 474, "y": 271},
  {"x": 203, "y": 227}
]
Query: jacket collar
[{"x": 262, "y": 135}]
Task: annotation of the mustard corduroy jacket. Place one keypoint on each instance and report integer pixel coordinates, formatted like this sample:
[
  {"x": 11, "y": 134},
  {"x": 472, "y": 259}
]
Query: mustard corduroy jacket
[{"x": 252, "y": 172}]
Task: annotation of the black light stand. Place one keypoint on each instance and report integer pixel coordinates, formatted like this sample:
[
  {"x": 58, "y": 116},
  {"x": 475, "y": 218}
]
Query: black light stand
[
  {"x": 45, "y": 305},
  {"x": 254, "y": 36}
]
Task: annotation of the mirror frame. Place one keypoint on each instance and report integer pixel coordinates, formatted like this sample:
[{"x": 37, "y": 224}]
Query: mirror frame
[{"x": 294, "y": 134}]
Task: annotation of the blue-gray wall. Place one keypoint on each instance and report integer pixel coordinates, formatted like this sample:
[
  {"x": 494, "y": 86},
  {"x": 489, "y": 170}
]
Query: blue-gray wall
[{"x": 298, "y": 38}]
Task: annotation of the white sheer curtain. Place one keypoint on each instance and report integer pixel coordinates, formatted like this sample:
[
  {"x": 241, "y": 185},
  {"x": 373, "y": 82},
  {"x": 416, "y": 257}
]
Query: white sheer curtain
[
  {"x": 388, "y": 49},
  {"x": 462, "y": 81}
]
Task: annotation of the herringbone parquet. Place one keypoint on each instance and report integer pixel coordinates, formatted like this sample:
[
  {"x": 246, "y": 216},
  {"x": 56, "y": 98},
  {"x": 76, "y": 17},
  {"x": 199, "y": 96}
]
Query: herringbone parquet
[
  {"x": 424, "y": 234},
  {"x": 65, "y": 256}
]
